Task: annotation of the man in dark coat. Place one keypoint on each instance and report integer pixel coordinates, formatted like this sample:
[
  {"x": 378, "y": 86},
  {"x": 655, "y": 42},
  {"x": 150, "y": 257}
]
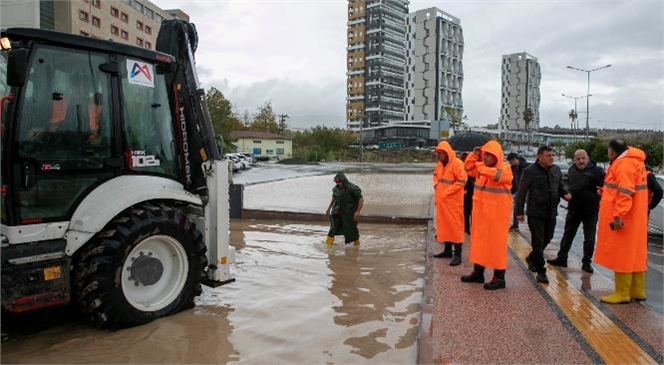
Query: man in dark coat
[
  {"x": 542, "y": 182},
  {"x": 467, "y": 199},
  {"x": 517, "y": 163},
  {"x": 345, "y": 207},
  {"x": 583, "y": 179},
  {"x": 654, "y": 190}
]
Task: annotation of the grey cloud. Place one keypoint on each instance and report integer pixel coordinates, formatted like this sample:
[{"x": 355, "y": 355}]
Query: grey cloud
[{"x": 307, "y": 104}]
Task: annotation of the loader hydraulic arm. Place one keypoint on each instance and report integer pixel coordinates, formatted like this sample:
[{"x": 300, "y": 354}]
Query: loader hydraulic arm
[{"x": 196, "y": 136}]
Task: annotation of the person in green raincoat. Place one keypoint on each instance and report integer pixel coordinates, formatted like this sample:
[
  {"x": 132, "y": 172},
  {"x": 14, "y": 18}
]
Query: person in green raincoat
[{"x": 344, "y": 210}]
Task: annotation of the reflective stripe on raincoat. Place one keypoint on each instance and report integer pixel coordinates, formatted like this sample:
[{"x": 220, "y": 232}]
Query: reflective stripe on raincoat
[
  {"x": 449, "y": 184},
  {"x": 625, "y": 195},
  {"x": 492, "y": 208}
]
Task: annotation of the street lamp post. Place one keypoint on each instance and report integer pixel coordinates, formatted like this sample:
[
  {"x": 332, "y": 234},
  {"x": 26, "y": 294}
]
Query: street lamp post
[
  {"x": 588, "y": 93},
  {"x": 574, "y": 120}
]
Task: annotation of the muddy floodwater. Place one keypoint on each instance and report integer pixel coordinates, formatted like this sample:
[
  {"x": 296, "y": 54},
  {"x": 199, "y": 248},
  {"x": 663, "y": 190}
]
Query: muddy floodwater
[{"x": 295, "y": 301}]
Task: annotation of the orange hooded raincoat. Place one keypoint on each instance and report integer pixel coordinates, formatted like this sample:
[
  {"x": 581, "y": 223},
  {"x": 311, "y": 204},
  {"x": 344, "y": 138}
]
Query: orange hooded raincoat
[
  {"x": 449, "y": 182},
  {"x": 492, "y": 208},
  {"x": 625, "y": 195}
]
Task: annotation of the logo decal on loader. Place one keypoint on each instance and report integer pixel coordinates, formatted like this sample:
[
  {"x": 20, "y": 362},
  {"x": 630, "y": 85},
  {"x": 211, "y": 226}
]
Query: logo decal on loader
[{"x": 140, "y": 73}]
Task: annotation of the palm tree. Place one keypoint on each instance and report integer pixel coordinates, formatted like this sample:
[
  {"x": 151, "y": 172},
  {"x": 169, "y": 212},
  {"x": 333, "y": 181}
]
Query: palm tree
[
  {"x": 573, "y": 116},
  {"x": 527, "y": 118}
]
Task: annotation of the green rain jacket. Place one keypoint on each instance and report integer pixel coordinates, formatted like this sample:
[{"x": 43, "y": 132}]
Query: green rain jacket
[{"x": 342, "y": 220}]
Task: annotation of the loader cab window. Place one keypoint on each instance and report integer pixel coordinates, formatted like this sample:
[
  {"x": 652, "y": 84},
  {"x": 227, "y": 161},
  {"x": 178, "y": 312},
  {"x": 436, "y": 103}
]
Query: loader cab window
[
  {"x": 65, "y": 114},
  {"x": 62, "y": 131},
  {"x": 4, "y": 91},
  {"x": 148, "y": 126}
]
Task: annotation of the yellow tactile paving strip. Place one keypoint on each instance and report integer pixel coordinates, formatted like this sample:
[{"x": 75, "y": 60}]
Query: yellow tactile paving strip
[{"x": 610, "y": 342}]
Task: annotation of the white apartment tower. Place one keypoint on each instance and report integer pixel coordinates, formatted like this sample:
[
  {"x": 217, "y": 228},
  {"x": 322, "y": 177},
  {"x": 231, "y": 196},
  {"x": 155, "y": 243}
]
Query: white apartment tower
[
  {"x": 521, "y": 78},
  {"x": 434, "y": 65}
]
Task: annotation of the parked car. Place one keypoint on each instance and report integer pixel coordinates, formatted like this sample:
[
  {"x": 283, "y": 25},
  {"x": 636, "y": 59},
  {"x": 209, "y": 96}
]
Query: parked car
[
  {"x": 656, "y": 218},
  {"x": 237, "y": 164},
  {"x": 247, "y": 161},
  {"x": 249, "y": 157}
]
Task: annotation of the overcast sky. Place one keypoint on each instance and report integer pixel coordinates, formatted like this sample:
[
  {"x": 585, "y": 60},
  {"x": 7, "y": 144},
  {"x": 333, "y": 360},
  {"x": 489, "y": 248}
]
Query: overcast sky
[{"x": 294, "y": 54}]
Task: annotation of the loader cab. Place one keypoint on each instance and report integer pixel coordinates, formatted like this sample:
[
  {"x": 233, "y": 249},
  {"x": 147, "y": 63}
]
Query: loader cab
[{"x": 77, "y": 112}]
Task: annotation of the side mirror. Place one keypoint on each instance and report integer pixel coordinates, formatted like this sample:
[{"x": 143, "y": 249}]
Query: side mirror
[{"x": 17, "y": 65}]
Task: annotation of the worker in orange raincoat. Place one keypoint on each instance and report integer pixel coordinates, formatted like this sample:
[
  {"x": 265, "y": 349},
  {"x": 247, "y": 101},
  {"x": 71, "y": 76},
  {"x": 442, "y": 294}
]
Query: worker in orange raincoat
[
  {"x": 622, "y": 238},
  {"x": 449, "y": 181},
  {"x": 492, "y": 214}
]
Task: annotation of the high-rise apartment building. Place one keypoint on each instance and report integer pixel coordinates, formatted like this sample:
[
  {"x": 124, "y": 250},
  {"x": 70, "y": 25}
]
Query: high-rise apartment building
[
  {"x": 133, "y": 22},
  {"x": 376, "y": 56},
  {"x": 434, "y": 66},
  {"x": 521, "y": 78}
]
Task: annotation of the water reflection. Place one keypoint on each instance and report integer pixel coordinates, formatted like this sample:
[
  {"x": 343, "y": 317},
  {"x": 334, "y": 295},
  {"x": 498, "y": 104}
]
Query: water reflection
[
  {"x": 295, "y": 301},
  {"x": 379, "y": 286}
]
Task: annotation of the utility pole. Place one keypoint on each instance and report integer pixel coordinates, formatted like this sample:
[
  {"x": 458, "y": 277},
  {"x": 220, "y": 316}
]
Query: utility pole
[
  {"x": 282, "y": 122},
  {"x": 588, "y": 94}
]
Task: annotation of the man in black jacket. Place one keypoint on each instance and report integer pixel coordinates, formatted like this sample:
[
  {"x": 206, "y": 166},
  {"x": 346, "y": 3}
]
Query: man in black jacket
[
  {"x": 654, "y": 190},
  {"x": 583, "y": 179},
  {"x": 518, "y": 164},
  {"x": 542, "y": 182}
]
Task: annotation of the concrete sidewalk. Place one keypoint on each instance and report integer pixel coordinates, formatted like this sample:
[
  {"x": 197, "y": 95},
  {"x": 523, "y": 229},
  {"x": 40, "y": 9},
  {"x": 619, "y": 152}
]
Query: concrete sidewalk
[{"x": 529, "y": 323}]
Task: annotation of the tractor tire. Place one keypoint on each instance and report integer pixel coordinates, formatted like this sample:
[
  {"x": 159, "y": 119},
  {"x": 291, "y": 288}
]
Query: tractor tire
[{"x": 146, "y": 263}]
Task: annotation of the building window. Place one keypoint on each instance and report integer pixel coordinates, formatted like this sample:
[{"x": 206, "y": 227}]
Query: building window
[
  {"x": 148, "y": 45},
  {"x": 139, "y": 25},
  {"x": 158, "y": 18},
  {"x": 269, "y": 152},
  {"x": 124, "y": 34},
  {"x": 96, "y": 4},
  {"x": 138, "y": 6},
  {"x": 85, "y": 33},
  {"x": 257, "y": 142},
  {"x": 83, "y": 16},
  {"x": 139, "y": 42},
  {"x": 148, "y": 12},
  {"x": 114, "y": 30},
  {"x": 128, "y": 2},
  {"x": 115, "y": 12},
  {"x": 96, "y": 22},
  {"x": 280, "y": 151},
  {"x": 124, "y": 17},
  {"x": 280, "y": 142},
  {"x": 148, "y": 30}
]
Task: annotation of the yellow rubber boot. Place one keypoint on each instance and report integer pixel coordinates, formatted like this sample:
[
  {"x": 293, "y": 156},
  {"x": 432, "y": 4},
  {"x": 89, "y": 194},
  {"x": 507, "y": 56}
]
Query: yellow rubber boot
[
  {"x": 623, "y": 284},
  {"x": 329, "y": 240},
  {"x": 638, "y": 290},
  {"x": 356, "y": 242}
]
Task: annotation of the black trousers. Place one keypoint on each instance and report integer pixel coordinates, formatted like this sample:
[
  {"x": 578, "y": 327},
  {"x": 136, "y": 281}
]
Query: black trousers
[
  {"x": 572, "y": 222},
  {"x": 467, "y": 211},
  {"x": 541, "y": 233}
]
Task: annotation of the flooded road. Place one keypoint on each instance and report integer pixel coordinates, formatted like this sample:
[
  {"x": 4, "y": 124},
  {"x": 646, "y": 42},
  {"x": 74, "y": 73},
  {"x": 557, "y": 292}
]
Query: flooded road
[
  {"x": 385, "y": 194},
  {"x": 295, "y": 300}
]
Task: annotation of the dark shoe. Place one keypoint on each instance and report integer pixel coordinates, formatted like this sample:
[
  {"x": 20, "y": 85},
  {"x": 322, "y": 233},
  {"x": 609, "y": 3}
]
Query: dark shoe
[
  {"x": 456, "y": 260},
  {"x": 531, "y": 267},
  {"x": 541, "y": 277},
  {"x": 558, "y": 262},
  {"x": 514, "y": 227},
  {"x": 474, "y": 277},
  {"x": 587, "y": 268},
  {"x": 444, "y": 254},
  {"x": 495, "y": 284}
]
